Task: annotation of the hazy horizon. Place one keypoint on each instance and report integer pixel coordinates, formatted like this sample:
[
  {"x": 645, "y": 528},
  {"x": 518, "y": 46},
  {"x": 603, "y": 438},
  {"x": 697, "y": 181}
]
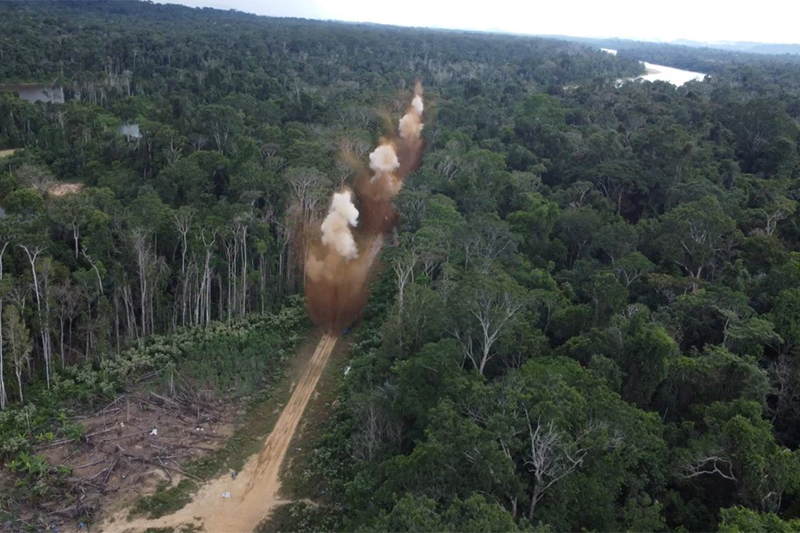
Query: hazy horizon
[{"x": 713, "y": 21}]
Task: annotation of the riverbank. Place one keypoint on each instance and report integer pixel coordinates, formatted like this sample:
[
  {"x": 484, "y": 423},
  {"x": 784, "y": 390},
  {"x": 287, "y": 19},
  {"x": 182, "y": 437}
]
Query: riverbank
[{"x": 654, "y": 72}]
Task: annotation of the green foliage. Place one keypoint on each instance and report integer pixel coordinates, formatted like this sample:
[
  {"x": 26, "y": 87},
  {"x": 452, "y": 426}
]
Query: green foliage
[
  {"x": 715, "y": 375},
  {"x": 646, "y": 355},
  {"x": 26, "y": 203},
  {"x": 421, "y": 514},
  {"x": 786, "y": 315},
  {"x": 695, "y": 234},
  {"x": 741, "y": 520},
  {"x": 164, "y": 500},
  {"x": 36, "y": 481},
  {"x": 235, "y": 359},
  {"x": 300, "y": 517}
]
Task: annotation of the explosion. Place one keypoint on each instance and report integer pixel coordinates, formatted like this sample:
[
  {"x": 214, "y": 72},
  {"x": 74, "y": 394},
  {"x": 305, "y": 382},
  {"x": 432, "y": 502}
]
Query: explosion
[
  {"x": 336, "y": 226},
  {"x": 339, "y": 262}
]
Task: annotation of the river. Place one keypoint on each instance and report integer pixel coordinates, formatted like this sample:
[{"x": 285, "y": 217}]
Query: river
[{"x": 654, "y": 72}]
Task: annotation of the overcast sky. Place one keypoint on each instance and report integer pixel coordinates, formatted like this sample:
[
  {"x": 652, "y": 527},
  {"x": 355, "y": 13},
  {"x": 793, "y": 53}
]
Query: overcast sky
[{"x": 768, "y": 21}]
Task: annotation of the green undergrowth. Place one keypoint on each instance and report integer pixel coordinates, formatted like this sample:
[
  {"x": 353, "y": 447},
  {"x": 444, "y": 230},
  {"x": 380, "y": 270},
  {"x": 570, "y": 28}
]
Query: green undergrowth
[
  {"x": 188, "y": 528},
  {"x": 301, "y": 517},
  {"x": 240, "y": 360},
  {"x": 165, "y": 499}
]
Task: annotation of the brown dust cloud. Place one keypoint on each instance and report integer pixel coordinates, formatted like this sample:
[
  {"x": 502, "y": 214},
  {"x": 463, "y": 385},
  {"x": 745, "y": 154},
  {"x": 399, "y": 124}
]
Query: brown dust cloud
[{"x": 343, "y": 254}]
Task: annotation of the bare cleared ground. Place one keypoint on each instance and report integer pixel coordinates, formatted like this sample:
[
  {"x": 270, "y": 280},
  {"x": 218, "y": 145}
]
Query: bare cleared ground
[
  {"x": 238, "y": 504},
  {"x": 313, "y": 426},
  {"x": 131, "y": 445},
  {"x": 63, "y": 189},
  {"x": 7, "y": 153}
]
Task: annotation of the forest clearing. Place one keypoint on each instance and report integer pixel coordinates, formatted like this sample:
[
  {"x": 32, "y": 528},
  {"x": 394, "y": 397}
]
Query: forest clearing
[{"x": 239, "y": 502}]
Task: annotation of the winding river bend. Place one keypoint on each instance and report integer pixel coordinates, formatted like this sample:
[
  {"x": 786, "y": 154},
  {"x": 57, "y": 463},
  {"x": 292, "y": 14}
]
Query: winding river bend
[{"x": 654, "y": 72}]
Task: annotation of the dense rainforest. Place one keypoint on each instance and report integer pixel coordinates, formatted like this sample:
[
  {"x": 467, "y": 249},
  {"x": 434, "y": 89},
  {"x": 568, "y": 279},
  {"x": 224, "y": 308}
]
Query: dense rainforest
[{"x": 588, "y": 318}]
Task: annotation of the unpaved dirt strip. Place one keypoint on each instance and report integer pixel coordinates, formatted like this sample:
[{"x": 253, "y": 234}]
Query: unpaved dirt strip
[{"x": 254, "y": 492}]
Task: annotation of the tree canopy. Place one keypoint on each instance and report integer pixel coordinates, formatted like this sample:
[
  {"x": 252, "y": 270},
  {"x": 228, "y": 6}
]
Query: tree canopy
[{"x": 587, "y": 318}]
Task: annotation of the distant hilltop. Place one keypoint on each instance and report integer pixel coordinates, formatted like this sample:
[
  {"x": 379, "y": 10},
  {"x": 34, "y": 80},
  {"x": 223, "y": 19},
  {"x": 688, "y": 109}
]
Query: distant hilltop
[
  {"x": 728, "y": 46},
  {"x": 744, "y": 46}
]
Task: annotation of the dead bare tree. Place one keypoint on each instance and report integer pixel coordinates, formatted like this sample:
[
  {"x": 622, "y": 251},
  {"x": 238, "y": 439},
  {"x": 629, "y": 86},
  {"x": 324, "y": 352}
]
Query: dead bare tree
[
  {"x": 374, "y": 427},
  {"x": 33, "y": 251},
  {"x": 172, "y": 152},
  {"x": 782, "y": 209},
  {"x": 367, "y": 438},
  {"x": 448, "y": 167},
  {"x": 68, "y": 299},
  {"x": 403, "y": 267},
  {"x": 231, "y": 249},
  {"x": 707, "y": 464},
  {"x": 203, "y": 307},
  {"x": 6, "y": 238},
  {"x": 96, "y": 270},
  {"x": 241, "y": 228},
  {"x": 197, "y": 141},
  {"x": 489, "y": 314},
  {"x": 784, "y": 378},
  {"x": 36, "y": 177},
  {"x": 308, "y": 188},
  {"x": 183, "y": 224},
  {"x": 550, "y": 458},
  {"x": 147, "y": 269},
  {"x": 484, "y": 246}
]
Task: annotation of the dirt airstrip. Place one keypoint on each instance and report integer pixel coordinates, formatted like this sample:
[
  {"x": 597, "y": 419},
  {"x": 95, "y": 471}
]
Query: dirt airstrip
[{"x": 234, "y": 504}]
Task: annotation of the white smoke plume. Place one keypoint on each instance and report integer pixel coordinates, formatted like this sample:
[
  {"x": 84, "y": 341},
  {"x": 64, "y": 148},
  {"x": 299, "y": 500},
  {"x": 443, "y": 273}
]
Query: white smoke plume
[
  {"x": 410, "y": 125},
  {"x": 383, "y": 160},
  {"x": 336, "y": 226},
  {"x": 339, "y": 265},
  {"x": 416, "y": 103}
]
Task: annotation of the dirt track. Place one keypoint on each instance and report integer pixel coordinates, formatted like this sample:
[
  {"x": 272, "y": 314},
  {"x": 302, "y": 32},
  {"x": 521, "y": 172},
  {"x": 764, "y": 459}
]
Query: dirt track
[{"x": 254, "y": 492}]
